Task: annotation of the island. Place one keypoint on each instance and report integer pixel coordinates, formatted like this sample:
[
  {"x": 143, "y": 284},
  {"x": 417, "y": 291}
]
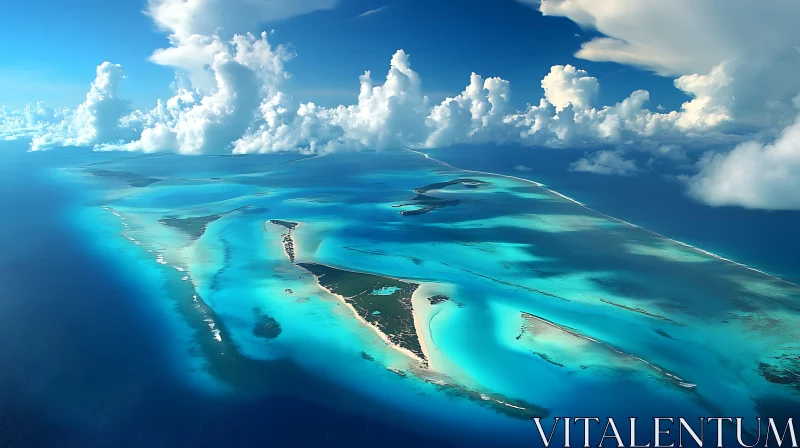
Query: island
[
  {"x": 640, "y": 311},
  {"x": 195, "y": 227},
  {"x": 501, "y": 404},
  {"x": 382, "y": 302},
  {"x": 132, "y": 179},
  {"x": 424, "y": 203},
  {"x": 468, "y": 183},
  {"x": 437, "y": 299},
  {"x": 539, "y": 333},
  {"x": 288, "y": 241},
  {"x": 288, "y": 224}
]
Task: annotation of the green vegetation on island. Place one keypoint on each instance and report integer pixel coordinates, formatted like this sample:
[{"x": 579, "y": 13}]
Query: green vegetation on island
[
  {"x": 437, "y": 299},
  {"x": 468, "y": 183},
  {"x": 132, "y": 179},
  {"x": 288, "y": 224},
  {"x": 286, "y": 238},
  {"x": 383, "y": 302},
  {"x": 424, "y": 203},
  {"x": 195, "y": 226}
]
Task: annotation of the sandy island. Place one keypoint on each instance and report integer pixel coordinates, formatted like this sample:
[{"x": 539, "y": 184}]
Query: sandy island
[{"x": 291, "y": 250}]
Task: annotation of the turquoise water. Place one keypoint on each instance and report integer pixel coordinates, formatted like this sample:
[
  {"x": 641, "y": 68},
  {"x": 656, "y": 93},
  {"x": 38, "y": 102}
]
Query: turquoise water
[
  {"x": 626, "y": 323},
  {"x": 654, "y": 198}
]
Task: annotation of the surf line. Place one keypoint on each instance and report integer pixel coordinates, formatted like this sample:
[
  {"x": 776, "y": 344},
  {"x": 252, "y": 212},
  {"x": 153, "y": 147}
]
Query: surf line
[{"x": 541, "y": 185}]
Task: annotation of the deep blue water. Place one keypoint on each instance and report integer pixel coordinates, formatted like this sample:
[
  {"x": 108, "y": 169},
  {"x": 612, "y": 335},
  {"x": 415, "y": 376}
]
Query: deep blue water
[
  {"x": 81, "y": 363},
  {"x": 656, "y": 200},
  {"x": 87, "y": 362}
]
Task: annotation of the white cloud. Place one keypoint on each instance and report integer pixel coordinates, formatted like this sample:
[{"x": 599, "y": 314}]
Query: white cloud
[
  {"x": 523, "y": 168},
  {"x": 737, "y": 58},
  {"x": 671, "y": 152},
  {"x": 198, "y": 29},
  {"x": 245, "y": 71},
  {"x": 566, "y": 85},
  {"x": 286, "y": 126},
  {"x": 246, "y": 109},
  {"x": 391, "y": 115},
  {"x": 605, "y": 162},
  {"x": 185, "y": 18},
  {"x": 235, "y": 99},
  {"x": 753, "y": 175},
  {"x": 475, "y": 115},
  {"x": 372, "y": 12},
  {"x": 31, "y": 120},
  {"x": 755, "y": 41},
  {"x": 96, "y": 120},
  {"x": 705, "y": 110},
  {"x": 680, "y": 37},
  {"x": 192, "y": 55}
]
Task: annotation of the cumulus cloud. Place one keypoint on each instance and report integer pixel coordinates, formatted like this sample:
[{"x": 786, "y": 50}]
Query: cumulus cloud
[
  {"x": 29, "y": 121},
  {"x": 476, "y": 115},
  {"x": 737, "y": 58},
  {"x": 566, "y": 85},
  {"x": 246, "y": 108},
  {"x": 605, "y": 162},
  {"x": 198, "y": 29},
  {"x": 245, "y": 70},
  {"x": 96, "y": 120},
  {"x": 671, "y": 152},
  {"x": 753, "y": 175},
  {"x": 755, "y": 41},
  {"x": 391, "y": 115},
  {"x": 235, "y": 99}
]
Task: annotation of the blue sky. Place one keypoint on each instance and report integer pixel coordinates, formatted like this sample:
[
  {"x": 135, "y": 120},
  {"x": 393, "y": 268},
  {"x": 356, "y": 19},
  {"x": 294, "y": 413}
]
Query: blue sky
[
  {"x": 709, "y": 88},
  {"x": 51, "y": 50},
  {"x": 503, "y": 38}
]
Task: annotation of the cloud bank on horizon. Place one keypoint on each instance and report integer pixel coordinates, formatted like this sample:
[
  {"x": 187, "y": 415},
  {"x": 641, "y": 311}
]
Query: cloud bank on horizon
[
  {"x": 235, "y": 98},
  {"x": 605, "y": 162}
]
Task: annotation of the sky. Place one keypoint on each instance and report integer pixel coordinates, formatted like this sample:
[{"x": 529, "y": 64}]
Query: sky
[
  {"x": 707, "y": 85},
  {"x": 503, "y": 39}
]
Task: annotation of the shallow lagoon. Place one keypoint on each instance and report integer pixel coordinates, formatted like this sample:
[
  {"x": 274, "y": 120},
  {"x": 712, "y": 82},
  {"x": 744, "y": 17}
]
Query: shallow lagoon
[{"x": 643, "y": 306}]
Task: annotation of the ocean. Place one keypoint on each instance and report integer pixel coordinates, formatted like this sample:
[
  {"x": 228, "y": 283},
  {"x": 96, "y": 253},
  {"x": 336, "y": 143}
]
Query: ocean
[
  {"x": 655, "y": 199},
  {"x": 84, "y": 348},
  {"x": 153, "y": 301}
]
